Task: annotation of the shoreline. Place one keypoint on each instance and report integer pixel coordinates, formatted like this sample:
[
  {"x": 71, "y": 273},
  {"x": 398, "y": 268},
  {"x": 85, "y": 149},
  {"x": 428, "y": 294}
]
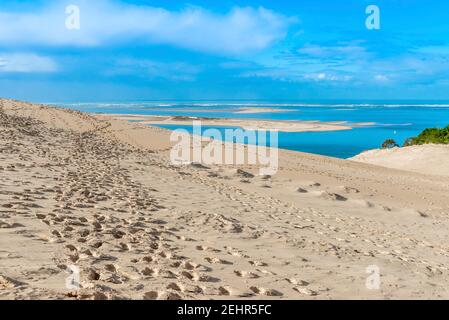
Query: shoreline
[{"x": 247, "y": 124}]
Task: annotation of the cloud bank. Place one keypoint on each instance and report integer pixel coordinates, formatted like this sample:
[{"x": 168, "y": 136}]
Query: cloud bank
[
  {"x": 26, "y": 63},
  {"x": 107, "y": 22}
]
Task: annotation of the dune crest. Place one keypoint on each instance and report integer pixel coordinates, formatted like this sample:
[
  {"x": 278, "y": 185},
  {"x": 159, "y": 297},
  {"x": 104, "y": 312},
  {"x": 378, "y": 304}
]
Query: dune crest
[{"x": 426, "y": 159}]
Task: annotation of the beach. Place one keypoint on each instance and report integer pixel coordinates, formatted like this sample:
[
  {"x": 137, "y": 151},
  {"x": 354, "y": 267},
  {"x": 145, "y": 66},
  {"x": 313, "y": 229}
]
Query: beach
[
  {"x": 247, "y": 124},
  {"x": 98, "y": 194}
]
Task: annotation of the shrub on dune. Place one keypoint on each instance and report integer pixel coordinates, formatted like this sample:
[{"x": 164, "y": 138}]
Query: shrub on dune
[
  {"x": 389, "y": 143},
  {"x": 430, "y": 135}
]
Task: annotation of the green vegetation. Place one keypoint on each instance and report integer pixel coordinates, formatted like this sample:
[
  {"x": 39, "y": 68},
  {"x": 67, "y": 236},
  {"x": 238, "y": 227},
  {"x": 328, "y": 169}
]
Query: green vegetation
[
  {"x": 408, "y": 142},
  {"x": 430, "y": 135},
  {"x": 389, "y": 143}
]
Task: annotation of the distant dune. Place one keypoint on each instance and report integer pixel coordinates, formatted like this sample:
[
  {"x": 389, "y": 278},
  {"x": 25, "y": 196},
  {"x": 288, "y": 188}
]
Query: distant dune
[{"x": 427, "y": 159}]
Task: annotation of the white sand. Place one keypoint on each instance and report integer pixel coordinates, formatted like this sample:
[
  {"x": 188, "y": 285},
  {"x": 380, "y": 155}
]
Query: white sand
[
  {"x": 249, "y": 124},
  {"x": 427, "y": 159},
  {"x": 101, "y": 194}
]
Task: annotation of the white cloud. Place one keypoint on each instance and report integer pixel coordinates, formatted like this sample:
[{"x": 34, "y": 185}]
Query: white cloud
[
  {"x": 323, "y": 76},
  {"x": 107, "y": 22},
  {"x": 381, "y": 77},
  {"x": 292, "y": 75},
  {"x": 433, "y": 50},
  {"x": 176, "y": 71},
  {"x": 26, "y": 63},
  {"x": 346, "y": 50}
]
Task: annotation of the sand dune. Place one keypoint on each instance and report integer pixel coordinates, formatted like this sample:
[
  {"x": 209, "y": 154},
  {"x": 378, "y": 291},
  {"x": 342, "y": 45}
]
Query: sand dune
[
  {"x": 100, "y": 194},
  {"x": 427, "y": 159}
]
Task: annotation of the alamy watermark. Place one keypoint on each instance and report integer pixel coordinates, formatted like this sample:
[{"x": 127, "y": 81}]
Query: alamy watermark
[
  {"x": 73, "y": 19},
  {"x": 372, "y": 22},
  {"x": 373, "y": 280},
  {"x": 234, "y": 147},
  {"x": 72, "y": 282}
]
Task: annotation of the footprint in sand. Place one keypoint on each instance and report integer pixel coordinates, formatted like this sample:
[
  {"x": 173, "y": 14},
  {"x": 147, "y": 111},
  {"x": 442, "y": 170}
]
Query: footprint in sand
[
  {"x": 151, "y": 295},
  {"x": 349, "y": 190},
  {"x": 246, "y": 274},
  {"x": 5, "y": 225},
  {"x": 205, "y": 248},
  {"x": 235, "y": 252},
  {"x": 110, "y": 268},
  {"x": 189, "y": 265},
  {"x": 148, "y": 259},
  {"x": 258, "y": 263},
  {"x": 56, "y": 233},
  {"x": 153, "y": 272},
  {"x": 175, "y": 286},
  {"x": 266, "y": 292},
  {"x": 171, "y": 296},
  {"x": 298, "y": 282},
  {"x": 191, "y": 275},
  {"x": 207, "y": 278},
  {"x": 166, "y": 255},
  {"x": 93, "y": 275},
  {"x": 84, "y": 233},
  {"x": 329, "y": 196},
  {"x": 170, "y": 274},
  {"x": 224, "y": 291},
  {"x": 96, "y": 244},
  {"x": 305, "y": 291},
  {"x": 71, "y": 248},
  {"x": 124, "y": 246},
  {"x": 266, "y": 272},
  {"x": 9, "y": 283},
  {"x": 217, "y": 261},
  {"x": 41, "y": 216}
]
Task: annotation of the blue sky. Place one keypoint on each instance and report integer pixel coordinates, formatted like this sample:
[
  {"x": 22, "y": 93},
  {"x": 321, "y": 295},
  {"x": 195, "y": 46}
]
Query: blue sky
[{"x": 215, "y": 50}]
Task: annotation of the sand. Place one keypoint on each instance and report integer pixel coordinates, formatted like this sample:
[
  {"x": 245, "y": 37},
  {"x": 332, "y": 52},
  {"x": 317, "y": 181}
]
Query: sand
[
  {"x": 427, "y": 159},
  {"x": 101, "y": 195},
  {"x": 248, "y": 124}
]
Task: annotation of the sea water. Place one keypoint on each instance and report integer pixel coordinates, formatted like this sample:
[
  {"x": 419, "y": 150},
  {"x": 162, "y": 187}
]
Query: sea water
[{"x": 397, "y": 121}]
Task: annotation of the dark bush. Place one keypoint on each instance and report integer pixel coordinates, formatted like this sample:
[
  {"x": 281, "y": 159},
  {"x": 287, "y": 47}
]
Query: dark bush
[
  {"x": 409, "y": 142},
  {"x": 389, "y": 143}
]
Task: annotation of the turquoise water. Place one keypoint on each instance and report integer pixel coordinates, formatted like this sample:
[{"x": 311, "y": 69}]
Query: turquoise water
[{"x": 396, "y": 121}]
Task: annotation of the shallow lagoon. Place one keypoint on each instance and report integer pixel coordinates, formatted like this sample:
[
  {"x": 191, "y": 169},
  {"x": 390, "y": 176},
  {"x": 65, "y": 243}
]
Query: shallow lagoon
[{"x": 392, "y": 121}]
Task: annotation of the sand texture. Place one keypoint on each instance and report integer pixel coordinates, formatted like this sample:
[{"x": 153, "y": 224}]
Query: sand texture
[
  {"x": 101, "y": 194},
  {"x": 427, "y": 159}
]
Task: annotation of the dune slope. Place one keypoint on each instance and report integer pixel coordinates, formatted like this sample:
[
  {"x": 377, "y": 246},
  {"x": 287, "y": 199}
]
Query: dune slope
[
  {"x": 100, "y": 195},
  {"x": 427, "y": 159}
]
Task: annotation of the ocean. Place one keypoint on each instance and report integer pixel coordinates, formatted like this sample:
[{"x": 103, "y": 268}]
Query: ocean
[{"x": 397, "y": 121}]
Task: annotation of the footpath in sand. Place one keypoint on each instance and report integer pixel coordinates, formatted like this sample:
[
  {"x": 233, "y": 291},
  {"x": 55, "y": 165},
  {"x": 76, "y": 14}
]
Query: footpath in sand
[{"x": 101, "y": 195}]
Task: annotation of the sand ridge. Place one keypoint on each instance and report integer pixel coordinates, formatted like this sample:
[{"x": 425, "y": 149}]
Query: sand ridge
[
  {"x": 248, "y": 124},
  {"x": 101, "y": 194},
  {"x": 426, "y": 159}
]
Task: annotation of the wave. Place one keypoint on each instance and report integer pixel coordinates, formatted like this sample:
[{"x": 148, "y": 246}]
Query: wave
[
  {"x": 394, "y": 124},
  {"x": 342, "y": 107}
]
